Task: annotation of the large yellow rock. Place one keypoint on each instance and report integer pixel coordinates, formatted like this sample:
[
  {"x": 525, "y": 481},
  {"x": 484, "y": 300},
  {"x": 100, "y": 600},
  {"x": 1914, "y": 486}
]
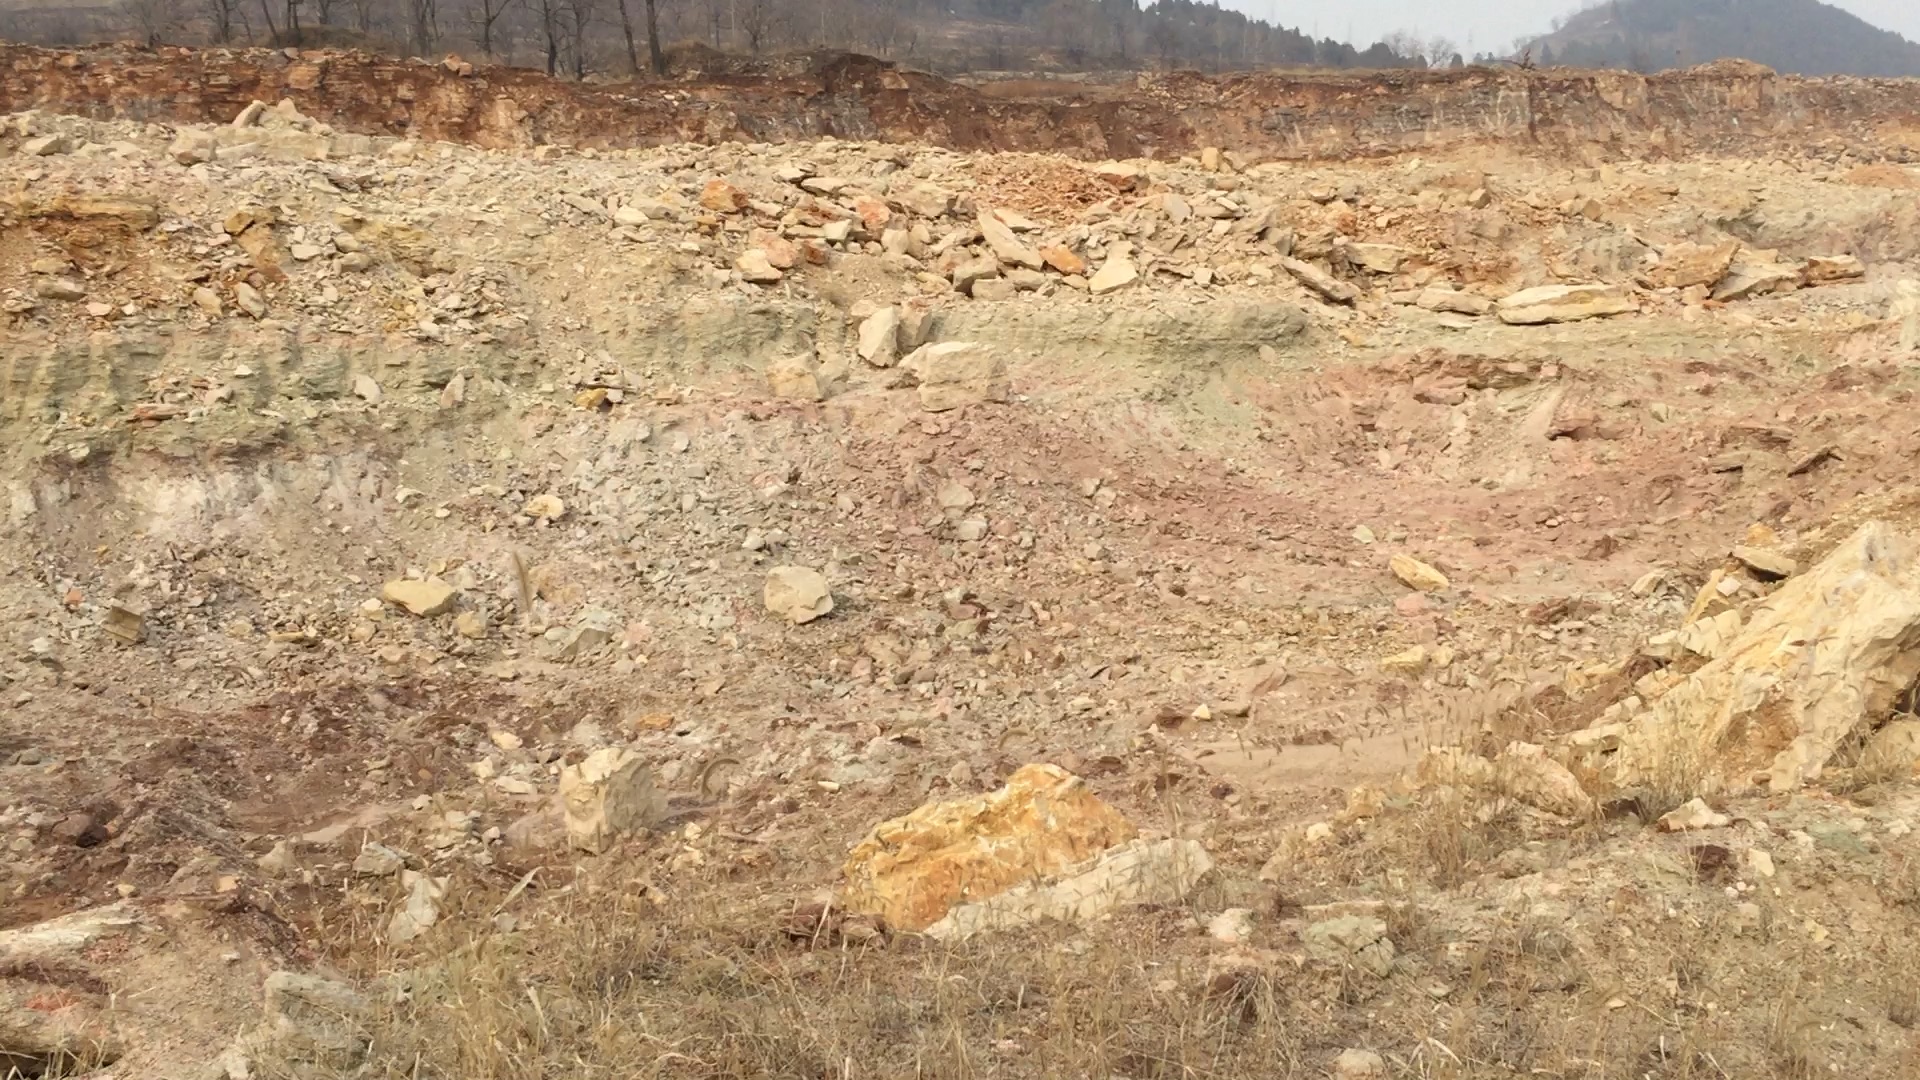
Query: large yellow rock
[
  {"x": 1818, "y": 663},
  {"x": 1417, "y": 575},
  {"x": 912, "y": 870}
]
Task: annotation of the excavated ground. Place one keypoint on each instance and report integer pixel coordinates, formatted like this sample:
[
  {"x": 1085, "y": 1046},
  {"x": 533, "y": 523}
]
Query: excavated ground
[{"x": 250, "y": 372}]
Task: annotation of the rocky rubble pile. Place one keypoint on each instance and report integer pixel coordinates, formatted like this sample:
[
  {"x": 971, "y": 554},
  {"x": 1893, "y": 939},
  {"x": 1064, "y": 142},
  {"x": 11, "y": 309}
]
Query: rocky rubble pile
[
  {"x": 284, "y": 219},
  {"x": 1776, "y": 676}
]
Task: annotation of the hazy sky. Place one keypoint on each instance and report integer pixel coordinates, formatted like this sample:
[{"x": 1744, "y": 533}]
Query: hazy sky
[{"x": 1491, "y": 25}]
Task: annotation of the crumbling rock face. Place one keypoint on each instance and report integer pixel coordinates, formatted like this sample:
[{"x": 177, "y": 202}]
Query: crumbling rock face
[
  {"x": 1817, "y": 664},
  {"x": 1720, "y": 107}
]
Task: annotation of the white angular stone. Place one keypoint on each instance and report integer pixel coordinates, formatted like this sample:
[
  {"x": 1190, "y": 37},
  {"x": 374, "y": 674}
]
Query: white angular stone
[
  {"x": 1564, "y": 303},
  {"x": 797, "y": 594},
  {"x": 1133, "y": 873},
  {"x": 880, "y": 338}
]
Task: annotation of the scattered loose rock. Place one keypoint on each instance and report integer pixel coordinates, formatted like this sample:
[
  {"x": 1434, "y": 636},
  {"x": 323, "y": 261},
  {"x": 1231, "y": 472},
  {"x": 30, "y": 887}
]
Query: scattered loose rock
[
  {"x": 880, "y": 338},
  {"x": 1357, "y": 939},
  {"x": 794, "y": 378},
  {"x": 1353, "y": 1064},
  {"x": 1139, "y": 872},
  {"x": 1826, "y": 654},
  {"x": 1321, "y": 282},
  {"x": 1116, "y": 273}
]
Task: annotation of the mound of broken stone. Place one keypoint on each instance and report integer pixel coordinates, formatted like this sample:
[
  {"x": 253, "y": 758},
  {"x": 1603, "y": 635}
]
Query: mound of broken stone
[
  {"x": 1776, "y": 678},
  {"x": 285, "y": 219}
]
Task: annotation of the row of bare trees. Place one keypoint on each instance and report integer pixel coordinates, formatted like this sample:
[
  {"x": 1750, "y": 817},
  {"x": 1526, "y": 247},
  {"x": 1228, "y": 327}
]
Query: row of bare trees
[
  {"x": 572, "y": 36},
  {"x": 584, "y": 37}
]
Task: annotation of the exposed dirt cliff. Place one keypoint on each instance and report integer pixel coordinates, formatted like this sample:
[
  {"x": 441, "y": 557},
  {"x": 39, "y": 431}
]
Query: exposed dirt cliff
[{"x": 1719, "y": 108}]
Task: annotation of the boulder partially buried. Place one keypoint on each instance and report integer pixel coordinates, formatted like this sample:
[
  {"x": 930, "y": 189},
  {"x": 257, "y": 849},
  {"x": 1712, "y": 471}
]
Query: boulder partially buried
[
  {"x": 1131, "y": 874},
  {"x": 1564, "y": 303},
  {"x": 956, "y": 373},
  {"x": 913, "y": 870},
  {"x": 424, "y": 598}
]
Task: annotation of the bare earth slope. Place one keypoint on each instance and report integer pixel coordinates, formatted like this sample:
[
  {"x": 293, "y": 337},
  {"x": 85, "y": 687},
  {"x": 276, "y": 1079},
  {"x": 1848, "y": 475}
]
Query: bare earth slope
[{"x": 373, "y": 476}]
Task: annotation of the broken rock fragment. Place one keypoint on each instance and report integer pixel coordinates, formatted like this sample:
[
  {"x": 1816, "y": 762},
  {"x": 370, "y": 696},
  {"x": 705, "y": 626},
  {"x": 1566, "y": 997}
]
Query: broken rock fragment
[
  {"x": 1827, "y": 269},
  {"x": 1754, "y": 274},
  {"x": 1359, "y": 940},
  {"x": 797, "y": 594},
  {"x": 1766, "y": 564},
  {"x": 956, "y": 373},
  {"x": 1321, "y": 282},
  {"x": 722, "y": 197},
  {"x": 1694, "y": 814},
  {"x": 424, "y": 598},
  {"x": 1115, "y": 274},
  {"x": 1063, "y": 259},
  {"x": 879, "y": 343},
  {"x": 1417, "y": 575},
  {"x": 913, "y": 870},
  {"x": 1131, "y": 874},
  {"x": 1564, "y": 303},
  {"x": 755, "y": 267},
  {"x": 607, "y": 796},
  {"x": 1684, "y": 265},
  {"x": 421, "y": 910},
  {"x": 794, "y": 378},
  {"x": 1007, "y": 247}
]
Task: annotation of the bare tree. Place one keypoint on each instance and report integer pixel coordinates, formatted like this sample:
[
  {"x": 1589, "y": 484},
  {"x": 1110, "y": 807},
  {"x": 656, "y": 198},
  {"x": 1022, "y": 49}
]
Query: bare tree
[
  {"x": 1165, "y": 40},
  {"x": 883, "y": 26},
  {"x": 363, "y": 15},
  {"x": 154, "y": 19},
  {"x": 1404, "y": 44},
  {"x": 551, "y": 30},
  {"x": 1066, "y": 27},
  {"x": 488, "y": 14},
  {"x": 423, "y": 26},
  {"x": 220, "y": 16},
  {"x": 756, "y": 21},
  {"x": 626, "y": 29},
  {"x": 654, "y": 53}
]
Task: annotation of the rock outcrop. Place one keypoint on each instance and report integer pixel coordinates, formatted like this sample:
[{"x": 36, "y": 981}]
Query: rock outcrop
[{"x": 1815, "y": 665}]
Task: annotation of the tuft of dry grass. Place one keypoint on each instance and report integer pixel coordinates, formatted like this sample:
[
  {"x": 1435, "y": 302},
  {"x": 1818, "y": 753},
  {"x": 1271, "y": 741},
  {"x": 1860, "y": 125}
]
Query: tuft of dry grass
[{"x": 603, "y": 984}]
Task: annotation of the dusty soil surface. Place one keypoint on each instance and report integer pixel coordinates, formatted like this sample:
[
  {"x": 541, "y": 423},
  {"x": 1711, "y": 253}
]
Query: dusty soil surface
[{"x": 254, "y": 372}]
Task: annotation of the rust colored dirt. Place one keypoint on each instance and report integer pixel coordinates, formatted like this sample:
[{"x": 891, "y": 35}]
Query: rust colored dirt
[{"x": 1723, "y": 107}]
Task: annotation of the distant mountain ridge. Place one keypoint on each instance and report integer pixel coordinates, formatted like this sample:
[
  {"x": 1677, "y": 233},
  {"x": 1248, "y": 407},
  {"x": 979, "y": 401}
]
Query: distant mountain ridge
[{"x": 1801, "y": 37}]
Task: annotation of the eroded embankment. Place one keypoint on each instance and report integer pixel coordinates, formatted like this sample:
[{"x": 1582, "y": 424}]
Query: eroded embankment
[{"x": 1722, "y": 107}]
